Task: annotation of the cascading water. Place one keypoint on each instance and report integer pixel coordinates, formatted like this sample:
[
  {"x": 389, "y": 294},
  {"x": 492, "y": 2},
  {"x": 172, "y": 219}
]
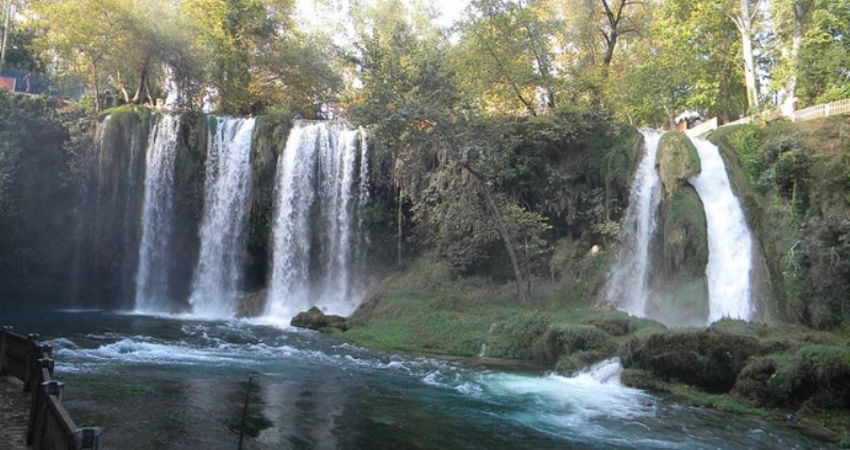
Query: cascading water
[
  {"x": 322, "y": 183},
  {"x": 152, "y": 283},
  {"x": 128, "y": 223},
  {"x": 227, "y": 191},
  {"x": 628, "y": 284},
  {"x": 730, "y": 243}
]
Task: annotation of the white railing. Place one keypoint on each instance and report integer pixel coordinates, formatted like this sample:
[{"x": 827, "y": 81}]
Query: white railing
[
  {"x": 810, "y": 113},
  {"x": 703, "y": 128},
  {"x": 820, "y": 111}
]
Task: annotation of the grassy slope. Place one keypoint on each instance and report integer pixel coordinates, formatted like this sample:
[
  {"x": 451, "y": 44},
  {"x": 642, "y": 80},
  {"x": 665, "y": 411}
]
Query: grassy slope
[{"x": 423, "y": 309}]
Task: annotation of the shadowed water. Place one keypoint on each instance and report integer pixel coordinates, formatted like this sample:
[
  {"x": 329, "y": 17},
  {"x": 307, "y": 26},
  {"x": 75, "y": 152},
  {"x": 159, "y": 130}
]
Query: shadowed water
[{"x": 172, "y": 383}]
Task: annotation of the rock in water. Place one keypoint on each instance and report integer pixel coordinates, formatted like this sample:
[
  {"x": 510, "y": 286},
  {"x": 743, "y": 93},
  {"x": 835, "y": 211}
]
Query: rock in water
[
  {"x": 251, "y": 305},
  {"x": 315, "y": 319}
]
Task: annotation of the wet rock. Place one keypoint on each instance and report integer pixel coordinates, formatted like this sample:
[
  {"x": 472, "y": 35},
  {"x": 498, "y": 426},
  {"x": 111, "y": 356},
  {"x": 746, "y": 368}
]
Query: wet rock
[
  {"x": 677, "y": 161},
  {"x": 315, "y": 319},
  {"x": 252, "y": 304}
]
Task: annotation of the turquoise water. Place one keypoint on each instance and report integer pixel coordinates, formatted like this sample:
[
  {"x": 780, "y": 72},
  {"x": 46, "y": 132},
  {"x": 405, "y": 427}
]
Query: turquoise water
[{"x": 178, "y": 383}]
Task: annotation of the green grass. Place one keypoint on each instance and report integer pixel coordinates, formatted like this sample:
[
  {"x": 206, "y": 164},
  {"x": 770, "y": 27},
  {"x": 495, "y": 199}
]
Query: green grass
[{"x": 423, "y": 309}]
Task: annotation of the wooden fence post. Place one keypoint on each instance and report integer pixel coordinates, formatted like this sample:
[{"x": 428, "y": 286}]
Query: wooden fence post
[
  {"x": 36, "y": 401},
  {"x": 32, "y": 360},
  {"x": 3, "y": 331},
  {"x": 87, "y": 438},
  {"x": 48, "y": 388}
]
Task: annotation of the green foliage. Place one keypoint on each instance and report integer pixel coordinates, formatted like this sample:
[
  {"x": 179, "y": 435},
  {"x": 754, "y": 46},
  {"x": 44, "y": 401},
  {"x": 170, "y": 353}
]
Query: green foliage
[{"x": 748, "y": 142}]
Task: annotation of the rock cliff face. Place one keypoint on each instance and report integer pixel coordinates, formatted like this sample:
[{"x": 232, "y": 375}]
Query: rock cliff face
[
  {"x": 681, "y": 254},
  {"x": 37, "y": 176}
]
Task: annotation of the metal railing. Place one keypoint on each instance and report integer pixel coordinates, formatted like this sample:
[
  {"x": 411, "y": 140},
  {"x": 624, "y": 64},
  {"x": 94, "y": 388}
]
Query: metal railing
[{"x": 49, "y": 425}]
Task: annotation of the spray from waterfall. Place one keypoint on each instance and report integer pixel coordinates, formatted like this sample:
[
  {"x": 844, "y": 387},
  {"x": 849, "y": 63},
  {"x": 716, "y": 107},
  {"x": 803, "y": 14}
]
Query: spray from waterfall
[
  {"x": 152, "y": 277},
  {"x": 730, "y": 242},
  {"x": 628, "y": 283},
  {"x": 227, "y": 191},
  {"x": 321, "y": 188}
]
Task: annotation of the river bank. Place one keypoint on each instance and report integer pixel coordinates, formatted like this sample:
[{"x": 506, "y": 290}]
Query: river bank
[{"x": 786, "y": 374}]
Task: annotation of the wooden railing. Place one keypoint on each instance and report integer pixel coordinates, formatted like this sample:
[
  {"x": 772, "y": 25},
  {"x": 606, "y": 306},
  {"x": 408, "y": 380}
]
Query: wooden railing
[{"x": 49, "y": 426}]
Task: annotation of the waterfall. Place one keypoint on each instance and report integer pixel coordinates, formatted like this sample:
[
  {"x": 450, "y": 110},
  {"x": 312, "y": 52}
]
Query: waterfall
[
  {"x": 628, "y": 283},
  {"x": 152, "y": 283},
  {"x": 128, "y": 220},
  {"x": 317, "y": 239},
  {"x": 227, "y": 190},
  {"x": 730, "y": 243}
]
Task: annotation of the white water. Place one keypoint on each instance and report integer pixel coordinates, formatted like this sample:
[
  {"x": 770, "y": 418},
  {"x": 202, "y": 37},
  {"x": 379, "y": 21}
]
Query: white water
[
  {"x": 628, "y": 283},
  {"x": 157, "y": 214},
  {"x": 227, "y": 191},
  {"x": 730, "y": 242},
  {"x": 322, "y": 181}
]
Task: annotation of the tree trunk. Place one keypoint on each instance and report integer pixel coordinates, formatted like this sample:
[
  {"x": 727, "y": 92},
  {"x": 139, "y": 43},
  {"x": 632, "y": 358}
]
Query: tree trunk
[
  {"x": 96, "y": 88},
  {"x": 143, "y": 79},
  {"x": 126, "y": 95},
  {"x": 521, "y": 285},
  {"x": 745, "y": 28},
  {"x": 400, "y": 225},
  {"x": 789, "y": 105},
  {"x": 148, "y": 92}
]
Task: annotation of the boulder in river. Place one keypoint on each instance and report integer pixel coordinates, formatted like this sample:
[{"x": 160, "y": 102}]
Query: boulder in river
[{"x": 315, "y": 319}]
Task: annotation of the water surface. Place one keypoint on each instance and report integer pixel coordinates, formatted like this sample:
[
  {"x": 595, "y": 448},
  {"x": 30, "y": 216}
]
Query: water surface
[{"x": 177, "y": 383}]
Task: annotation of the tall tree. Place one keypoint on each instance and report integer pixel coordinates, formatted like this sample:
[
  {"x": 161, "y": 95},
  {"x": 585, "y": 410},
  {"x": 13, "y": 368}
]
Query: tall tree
[
  {"x": 504, "y": 58},
  {"x": 743, "y": 19},
  {"x": 791, "y": 15}
]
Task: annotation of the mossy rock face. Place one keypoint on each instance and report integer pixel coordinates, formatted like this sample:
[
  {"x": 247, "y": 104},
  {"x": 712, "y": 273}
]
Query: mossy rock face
[
  {"x": 189, "y": 174},
  {"x": 817, "y": 376},
  {"x": 566, "y": 340},
  {"x": 677, "y": 161},
  {"x": 268, "y": 142},
  {"x": 679, "y": 285},
  {"x": 680, "y": 290},
  {"x": 710, "y": 358},
  {"x": 684, "y": 234}
]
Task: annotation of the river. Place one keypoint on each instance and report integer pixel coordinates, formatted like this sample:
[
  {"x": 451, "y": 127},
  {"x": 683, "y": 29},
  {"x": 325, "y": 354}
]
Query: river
[{"x": 179, "y": 383}]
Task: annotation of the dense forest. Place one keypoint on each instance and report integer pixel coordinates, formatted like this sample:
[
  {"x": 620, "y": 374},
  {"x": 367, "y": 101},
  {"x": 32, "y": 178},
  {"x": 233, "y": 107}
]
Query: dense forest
[{"x": 642, "y": 62}]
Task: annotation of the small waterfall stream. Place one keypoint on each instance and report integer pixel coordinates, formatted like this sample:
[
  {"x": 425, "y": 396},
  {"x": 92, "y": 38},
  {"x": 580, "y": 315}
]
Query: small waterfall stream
[
  {"x": 730, "y": 242},
  {"x": 152, "y": 277},
  {"x": 227, "y": 189},
  {"x": 628, "y": 283},
  {"x": 322, "y": 181}
]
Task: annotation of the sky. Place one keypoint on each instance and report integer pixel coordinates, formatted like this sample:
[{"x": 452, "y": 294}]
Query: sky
[{"x": 314, "y": 13}]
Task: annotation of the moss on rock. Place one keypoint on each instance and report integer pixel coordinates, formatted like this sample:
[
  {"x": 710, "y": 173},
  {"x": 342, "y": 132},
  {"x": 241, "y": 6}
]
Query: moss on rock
[
  {"x": 707, "y": 358},
  {"x": 677, "y": 160}
]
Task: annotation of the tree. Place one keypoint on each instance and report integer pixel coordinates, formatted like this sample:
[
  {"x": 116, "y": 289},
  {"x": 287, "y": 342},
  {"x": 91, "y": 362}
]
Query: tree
[
  {"x": 616, "y": 20},
  {"x": 126, "y": 45},
  {"x": 790, "y": 24},
  {"x": 258, "y": 58},
  {"x": 411, "y": 99},
  {"x": 824, "y": 56},
  {"x": 743, "y": 20},
  {"x": 504, "y": 58}
]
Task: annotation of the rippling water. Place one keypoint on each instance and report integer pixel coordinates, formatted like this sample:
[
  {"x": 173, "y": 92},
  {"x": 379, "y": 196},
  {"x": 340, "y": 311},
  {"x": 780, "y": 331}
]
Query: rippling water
[{"x": 171, "y": 382}]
